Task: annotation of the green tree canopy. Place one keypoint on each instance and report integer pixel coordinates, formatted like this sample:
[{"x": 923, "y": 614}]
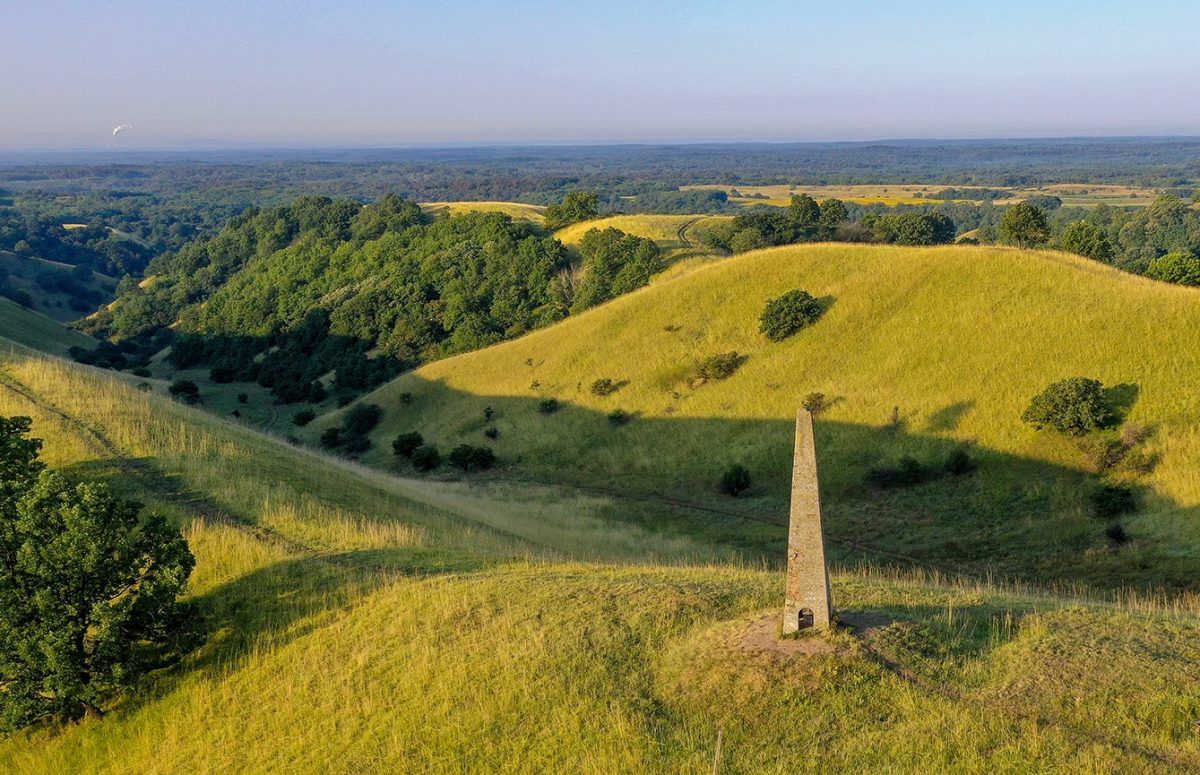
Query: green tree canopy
[
  {"x": 1024, "y": 225},
  {"x": 575, "y": 207},
  {"x": 1178, "y": 267},
  {"x": 614, "y": 263},
  {"x": 88, "y": 588},
  {"x": 1087, "y": 239}
]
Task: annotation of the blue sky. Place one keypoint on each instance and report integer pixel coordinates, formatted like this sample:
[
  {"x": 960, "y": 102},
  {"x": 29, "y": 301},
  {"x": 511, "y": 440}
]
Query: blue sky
[{"x": 217, "y": 73}]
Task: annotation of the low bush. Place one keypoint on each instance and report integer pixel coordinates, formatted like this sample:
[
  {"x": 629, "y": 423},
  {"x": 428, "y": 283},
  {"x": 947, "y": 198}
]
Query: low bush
[
  {"x": 185, "y": 390},
  {"x": 787, "y": 314},
  {"x": 1113, "y": 500},
  {"x": 604, "y": 387},
  {"x": 548, "y": 405},
  {"x": 907, "y": 473},
  {"x": 406, "y": 444},
  {"x": 242, "y": 398},
  {"x": 734, "y": 481},
  {"x": 361, "y": 419},
  {"x": 1117, "y": 534},
  {"x": 331, "y": 438},
  {"x": 619, "y": 417},
  {"x": 492, "y": 433},
  {"x": 1073, "y": 406},
  {"x": 814, "y": 403},
  {"x": 470, "y": 458},
  {"x": 303, "y": 417},
  {"x": 720, "y": 366},
  {"x": 426, "y": 458},
  {"x": 959, "y": 463}
]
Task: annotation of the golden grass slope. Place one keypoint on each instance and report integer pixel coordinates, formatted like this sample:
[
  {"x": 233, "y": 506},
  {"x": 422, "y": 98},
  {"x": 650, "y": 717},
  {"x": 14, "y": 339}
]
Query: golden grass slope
[
  {"x": 956, "y": 339},
  {"x": 354, "y": 630},
  {"x": 674, "y": 234},
  {"x": 516, "y": 210}
]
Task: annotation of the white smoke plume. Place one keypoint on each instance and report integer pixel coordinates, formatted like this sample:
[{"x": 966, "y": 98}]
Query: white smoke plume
[{"x": 121, "y": 129}]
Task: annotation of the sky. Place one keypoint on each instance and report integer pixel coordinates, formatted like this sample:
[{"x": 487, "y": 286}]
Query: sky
[{"x": 219, "y": 74}]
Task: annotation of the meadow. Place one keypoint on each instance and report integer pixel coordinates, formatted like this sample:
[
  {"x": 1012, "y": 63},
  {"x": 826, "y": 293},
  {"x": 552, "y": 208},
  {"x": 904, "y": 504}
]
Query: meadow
[
  {"x": 920, "y": 352},
  {"x": 355, "y": 628},
  {"x": 1072, "y": 194}
]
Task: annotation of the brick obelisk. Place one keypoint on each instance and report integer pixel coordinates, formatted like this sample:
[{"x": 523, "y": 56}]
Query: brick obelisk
[{"x": 806, "y": 601}]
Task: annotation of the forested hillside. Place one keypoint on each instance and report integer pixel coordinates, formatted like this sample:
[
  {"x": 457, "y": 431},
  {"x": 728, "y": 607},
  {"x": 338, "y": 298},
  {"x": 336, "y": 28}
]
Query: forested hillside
[{"x": 329, "y": 295}]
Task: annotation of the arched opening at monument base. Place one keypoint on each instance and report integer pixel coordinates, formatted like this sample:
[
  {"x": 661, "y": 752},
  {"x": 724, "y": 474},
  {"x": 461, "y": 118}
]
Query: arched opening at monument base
[{"x": 806, "y": 618}]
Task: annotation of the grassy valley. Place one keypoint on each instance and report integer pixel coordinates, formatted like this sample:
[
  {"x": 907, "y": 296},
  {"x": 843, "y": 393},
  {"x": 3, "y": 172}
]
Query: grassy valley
[
  {"x": 920, "y": 352},
  {"x": 385, "y": 633}
]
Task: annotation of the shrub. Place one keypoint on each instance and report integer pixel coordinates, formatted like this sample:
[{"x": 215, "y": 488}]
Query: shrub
[
  {"x": 242, "y": 398},
  {"x": 1075, "y": 406},
  {"x": 492, "y": 433},
  {"x": 734, "y": 481},
  {"x": 959, "y": 463},
  {"x": 788, "y": 314},
  {"x": 355, "y": 444},
  {"x": 488, "y": 413},
  {"x": 1117, "y": 534},
  {"x": 604, "y": 387},
  {"x": 426, "y": 458},
  {"x": 140, "y": 371},
  {"x": 907, "y": 473},
  {"x": 185, "y": 390},
  {"x": 814, "y": 403},
  {"x": 1113, "y": 500},
  {"x": 406, "y": 398},
  {"x": 619, "y": 417},
  {"x": 548, "y": 405},
  {"x": 331, "y": 438},
  {"x": 361, "y": 419},
  {"x": 1102, "y": 453},
  {"x": 470, "y": 458},
  {"x": 303, "y": 417},
  {"x": 406, "y": 444},
  {"x": 1024, "y": 224},
  {"x": 719, "y": 366}
]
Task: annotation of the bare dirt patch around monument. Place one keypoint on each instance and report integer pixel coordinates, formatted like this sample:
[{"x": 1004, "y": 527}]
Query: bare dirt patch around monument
[{"x": 761, "y": 636}]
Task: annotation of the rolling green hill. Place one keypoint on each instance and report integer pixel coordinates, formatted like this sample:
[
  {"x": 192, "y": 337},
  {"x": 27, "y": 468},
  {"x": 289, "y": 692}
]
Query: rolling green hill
[
  {"x": 35, "y": 330},
  {"x": 353, "y": 627},
  {"x": 57, "y": 290},
  {"x": 921, "y": 352}
]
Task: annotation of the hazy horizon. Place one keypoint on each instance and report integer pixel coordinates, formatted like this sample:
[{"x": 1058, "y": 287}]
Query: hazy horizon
[{"x": 288, "y": 75}]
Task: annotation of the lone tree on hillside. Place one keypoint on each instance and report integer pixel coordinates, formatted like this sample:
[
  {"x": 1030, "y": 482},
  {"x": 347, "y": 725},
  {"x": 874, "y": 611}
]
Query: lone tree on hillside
[
  {"x": 1075, "y": 406},
  {"x": 88, "y": 588},
  {"x": 787, "y": 314},
  {"x": 575, "y": 207},
  {"x": 1024, "y": 225}
]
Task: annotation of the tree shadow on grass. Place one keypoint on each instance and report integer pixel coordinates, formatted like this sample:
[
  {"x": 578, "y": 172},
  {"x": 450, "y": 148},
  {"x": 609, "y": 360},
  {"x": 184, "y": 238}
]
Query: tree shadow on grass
[
  {"x": 1119, "y": 399},
  {"x": 948, "y": 417}
]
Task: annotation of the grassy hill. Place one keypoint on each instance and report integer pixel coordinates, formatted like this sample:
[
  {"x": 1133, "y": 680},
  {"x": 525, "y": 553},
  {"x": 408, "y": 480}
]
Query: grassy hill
[
  {"x": 35, "y": 330},
  {"x": 354, "y": 627},
  {"x": 516, "y": 210},
  {"x": 675, "y": 234},
  {"x": 53, "y": 287},
  {"x": 950, "y": 343}
]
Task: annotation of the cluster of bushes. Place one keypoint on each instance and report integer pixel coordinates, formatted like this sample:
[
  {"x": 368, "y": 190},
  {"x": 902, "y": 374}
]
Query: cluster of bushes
[
  {"x": 910, "y": 228},
  {"x": 576, "y": 206},
  {"x": 909, "y": 472},
  {"x": 425, "y": 457},
  {"x": 351, "y": 437},
  {"x": 185, "y": 390},
  {"x": 804, "y": 220}
]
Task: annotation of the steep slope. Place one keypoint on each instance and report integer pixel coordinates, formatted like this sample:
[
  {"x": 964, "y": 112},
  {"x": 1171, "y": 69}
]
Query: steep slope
[
  {"x": 33, "y": 329},
  {"x": 952, "y": 341},
  {"x": 353, "y": 628}
]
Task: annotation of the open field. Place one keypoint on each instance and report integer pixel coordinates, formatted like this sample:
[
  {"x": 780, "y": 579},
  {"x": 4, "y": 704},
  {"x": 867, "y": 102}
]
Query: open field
[
  {"x": 1073, "y": 194},
  {"x": 955, "y": 341},
  {"x": 517, "y": 210},
  {"x": 356, "y": 629}
]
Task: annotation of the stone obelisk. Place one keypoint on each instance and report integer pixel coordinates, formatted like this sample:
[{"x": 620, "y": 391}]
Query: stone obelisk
[{"x": 806, "y": 602}]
